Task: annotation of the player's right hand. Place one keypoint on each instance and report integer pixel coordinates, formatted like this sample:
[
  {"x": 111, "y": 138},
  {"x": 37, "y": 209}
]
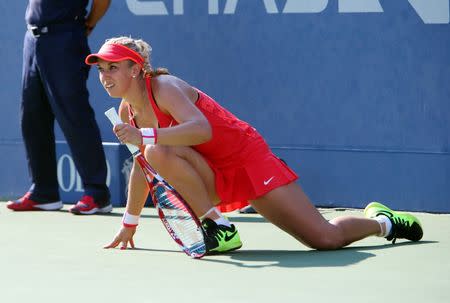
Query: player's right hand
[
  {"x": 128, "y": 134},
  {"x": 123, "y": 237}
]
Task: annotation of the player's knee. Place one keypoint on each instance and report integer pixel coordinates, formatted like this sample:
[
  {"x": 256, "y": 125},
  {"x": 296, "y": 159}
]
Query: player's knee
[
  {"x": 327, "y": 241},
  {"x": 157, "y": 155}
]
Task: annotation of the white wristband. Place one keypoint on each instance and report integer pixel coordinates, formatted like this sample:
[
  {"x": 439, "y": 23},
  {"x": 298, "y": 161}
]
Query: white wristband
[
  {"x": 148, "y": 136},
  {"x": 129, "y": 220}
]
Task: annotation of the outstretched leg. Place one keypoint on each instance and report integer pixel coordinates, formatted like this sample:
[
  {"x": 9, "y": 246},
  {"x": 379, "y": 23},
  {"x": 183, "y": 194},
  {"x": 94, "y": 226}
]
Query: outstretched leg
[{"x": 290, "y": 209}]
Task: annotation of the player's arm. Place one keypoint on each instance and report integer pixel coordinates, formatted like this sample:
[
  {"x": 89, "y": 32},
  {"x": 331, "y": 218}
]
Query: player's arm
[
  {"x": 137, "y": 195},
  {"x": 137, "y": 185},
  {"x": 176, "y": 97},
  {"x": 137, "y": 191}
]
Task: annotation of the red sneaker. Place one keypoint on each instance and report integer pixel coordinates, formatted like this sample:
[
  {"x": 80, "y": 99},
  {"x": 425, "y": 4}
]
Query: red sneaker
[
  {"x": 87, "y": 206},
  {"x": 26, "y": 204}
]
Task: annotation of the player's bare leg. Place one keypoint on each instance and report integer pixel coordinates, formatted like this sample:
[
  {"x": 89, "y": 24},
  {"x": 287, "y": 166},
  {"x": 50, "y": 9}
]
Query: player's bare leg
[
  {"x": 188, "y": 172},
  {"x": 290, "y": 209}
]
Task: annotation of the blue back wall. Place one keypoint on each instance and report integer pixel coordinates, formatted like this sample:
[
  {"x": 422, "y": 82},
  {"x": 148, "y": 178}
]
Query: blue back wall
[{"x": 353, "y": 94}]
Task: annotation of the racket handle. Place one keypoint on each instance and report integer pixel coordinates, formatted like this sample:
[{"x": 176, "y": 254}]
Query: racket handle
[{"x": 115, "y": 119}]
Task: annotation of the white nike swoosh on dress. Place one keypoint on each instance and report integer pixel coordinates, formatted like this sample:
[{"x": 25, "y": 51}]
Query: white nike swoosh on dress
[{"x": 268, "y": 180}]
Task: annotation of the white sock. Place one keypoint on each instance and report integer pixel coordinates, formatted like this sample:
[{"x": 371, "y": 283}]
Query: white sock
[
  {"x": 215, "y": 215},
  {"x": 223, "y": 221},
  {"x": 385, "y": 224}
]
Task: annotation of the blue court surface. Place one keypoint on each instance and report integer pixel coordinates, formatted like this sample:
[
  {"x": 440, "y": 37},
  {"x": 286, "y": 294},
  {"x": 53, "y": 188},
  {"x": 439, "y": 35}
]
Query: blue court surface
[{"x": 58, "y": 257}]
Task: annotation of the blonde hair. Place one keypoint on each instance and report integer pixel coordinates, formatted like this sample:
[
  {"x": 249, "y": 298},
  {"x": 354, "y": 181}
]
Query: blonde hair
[{"x": 143, "y": 49}]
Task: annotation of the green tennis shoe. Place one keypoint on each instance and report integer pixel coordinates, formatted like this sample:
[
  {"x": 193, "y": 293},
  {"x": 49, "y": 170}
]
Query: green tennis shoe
[
  {"x": 404, "y": 225},
  {"x": 220, "y": 238}
]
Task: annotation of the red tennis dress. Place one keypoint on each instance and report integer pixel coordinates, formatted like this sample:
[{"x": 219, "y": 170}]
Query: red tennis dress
[{"x": 244, "y": 166}]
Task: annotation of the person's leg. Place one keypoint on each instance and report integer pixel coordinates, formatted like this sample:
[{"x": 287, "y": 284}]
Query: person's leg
[
  {"x": 290, "y": 209},
  {"x": 188, "y": 172},
  {"x": 37, "y": 123},
  {"x": 69, "y": 98}
]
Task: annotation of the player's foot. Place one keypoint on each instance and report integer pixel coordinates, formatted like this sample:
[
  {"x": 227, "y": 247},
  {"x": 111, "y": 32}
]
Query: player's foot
[
  {"x": 26, "y": 204},
  {"x": 404, "y": 225},
  {"x": 88, "y": 206},
  {"x": 220, "y": 238}
]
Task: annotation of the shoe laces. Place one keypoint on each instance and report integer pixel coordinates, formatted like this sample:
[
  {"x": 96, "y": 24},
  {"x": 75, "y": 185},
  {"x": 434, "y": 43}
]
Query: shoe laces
[
  {"x": 400, "y": 229},
  {"x": 213, "y": 230}
]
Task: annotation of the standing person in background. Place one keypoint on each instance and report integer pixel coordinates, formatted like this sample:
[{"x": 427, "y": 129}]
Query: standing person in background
[{"x": 54, "y": 87}]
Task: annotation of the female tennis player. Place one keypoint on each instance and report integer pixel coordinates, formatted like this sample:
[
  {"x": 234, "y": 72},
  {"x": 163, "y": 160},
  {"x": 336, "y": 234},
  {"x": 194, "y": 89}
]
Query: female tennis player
[{"x": 216, "y": 161}]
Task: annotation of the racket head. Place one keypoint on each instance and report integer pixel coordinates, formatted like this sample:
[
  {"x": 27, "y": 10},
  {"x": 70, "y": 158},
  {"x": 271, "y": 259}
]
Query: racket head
[{"x": 178, "y": 218}]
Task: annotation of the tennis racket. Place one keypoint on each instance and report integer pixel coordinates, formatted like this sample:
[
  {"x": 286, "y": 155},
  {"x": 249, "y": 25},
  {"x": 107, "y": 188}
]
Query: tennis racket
[{"x": 178, "y": 218}]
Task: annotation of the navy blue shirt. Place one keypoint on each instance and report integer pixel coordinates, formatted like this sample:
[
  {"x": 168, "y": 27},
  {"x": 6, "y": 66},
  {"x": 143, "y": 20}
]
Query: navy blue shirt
[{"x": 45, "y": 12}]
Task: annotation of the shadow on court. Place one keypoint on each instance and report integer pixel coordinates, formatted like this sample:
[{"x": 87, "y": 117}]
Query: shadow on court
[
  {"x": 311, "y": 258},
  {"x": 292, "y": 258}
]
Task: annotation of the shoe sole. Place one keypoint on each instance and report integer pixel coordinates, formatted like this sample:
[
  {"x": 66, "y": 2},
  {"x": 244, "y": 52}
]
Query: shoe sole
[
  {"x": 103, "y": 210},
  {"x": 50, "y": 206},
  {"x": 54, "y": 206},
  {"x": 209, "y": 253}
]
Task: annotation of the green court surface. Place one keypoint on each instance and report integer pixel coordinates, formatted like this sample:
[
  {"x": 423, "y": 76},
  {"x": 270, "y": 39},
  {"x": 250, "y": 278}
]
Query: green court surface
[{"x": 58, "y": 257}]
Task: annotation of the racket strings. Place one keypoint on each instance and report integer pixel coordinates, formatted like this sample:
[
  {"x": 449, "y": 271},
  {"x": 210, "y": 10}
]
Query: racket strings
[{"x": 180, "y": 221}]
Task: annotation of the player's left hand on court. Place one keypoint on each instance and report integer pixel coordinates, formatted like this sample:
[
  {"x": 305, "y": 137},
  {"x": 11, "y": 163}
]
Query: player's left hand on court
[
  {"x": 123, "y": 237},
  {"x": 128, "y": 134}
]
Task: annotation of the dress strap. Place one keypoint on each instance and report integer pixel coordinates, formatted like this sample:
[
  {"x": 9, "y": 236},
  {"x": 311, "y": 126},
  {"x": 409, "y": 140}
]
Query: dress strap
[{"x": 164, "y": 120}]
